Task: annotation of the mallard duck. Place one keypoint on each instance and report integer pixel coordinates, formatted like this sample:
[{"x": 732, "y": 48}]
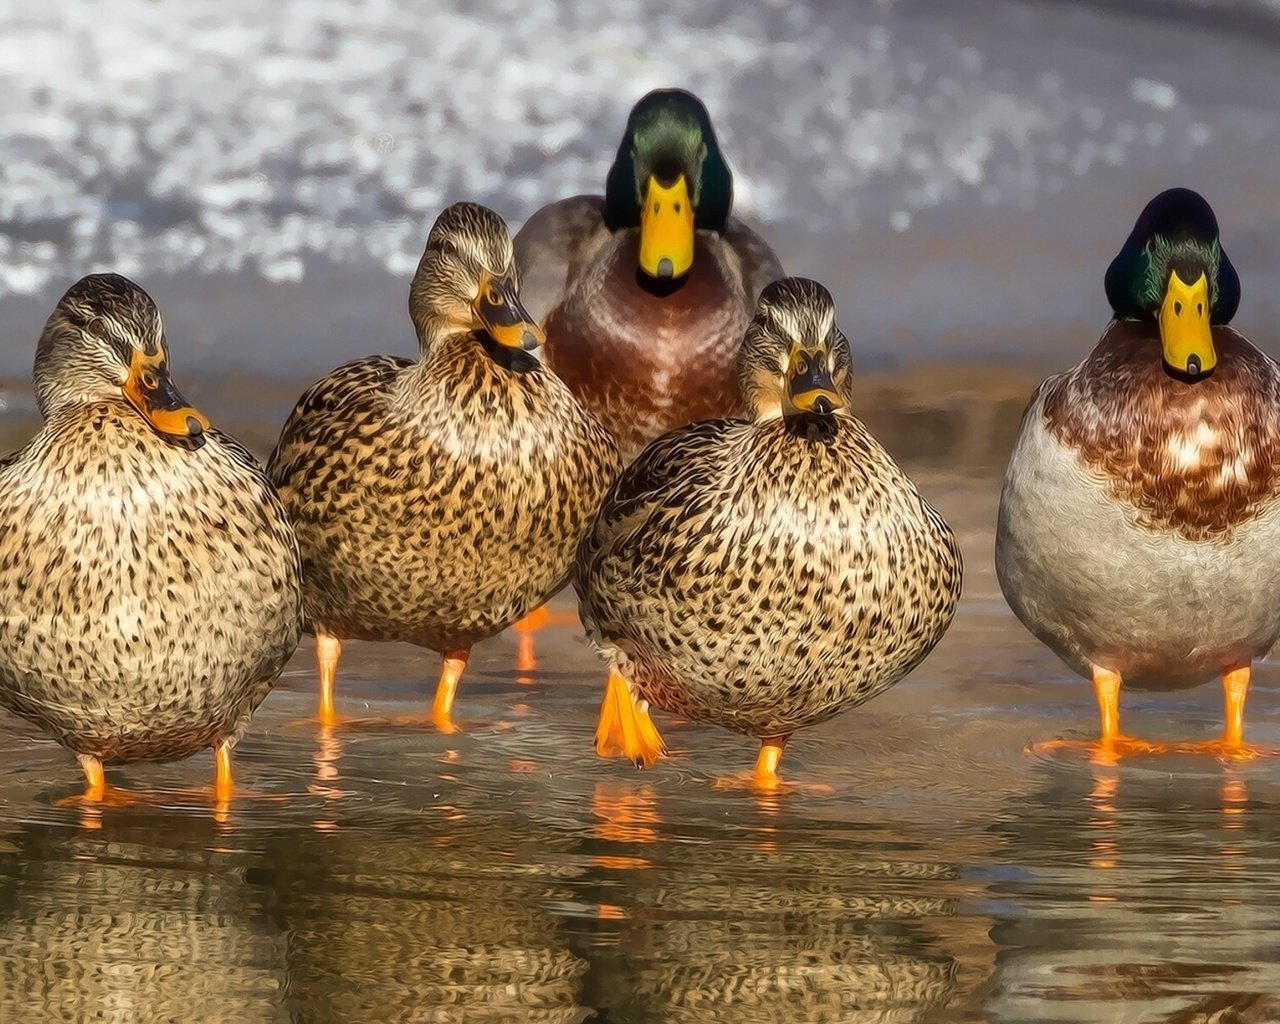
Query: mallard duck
[
  {"x": 439, "y": 500},
  {"x": 1139, "y": 529},
  {"x": 151, "y": 579},
  {"x": 769, "y": 572},
  {"x": 645, "y": 292}
]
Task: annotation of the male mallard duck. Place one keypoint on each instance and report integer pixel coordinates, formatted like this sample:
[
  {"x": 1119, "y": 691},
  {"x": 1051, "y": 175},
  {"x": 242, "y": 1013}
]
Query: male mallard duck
[
  {"x": 151, "y": 579},
  {"x": 646, "y": 291},
  {"x": 764, "y": 573},
  {"x": 437, "y": 501},
  {"x": 1139, "y": 531}
]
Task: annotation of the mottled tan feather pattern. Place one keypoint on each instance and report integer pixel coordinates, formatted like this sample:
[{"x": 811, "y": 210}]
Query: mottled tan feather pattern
[
  {"x": 765, "y": 576},
  {"x": 1199, "y": 457},
  {"x": 439, "y": 501},
  {"x": 767, "y": 573},
  {"x": 152, "y": 592}
]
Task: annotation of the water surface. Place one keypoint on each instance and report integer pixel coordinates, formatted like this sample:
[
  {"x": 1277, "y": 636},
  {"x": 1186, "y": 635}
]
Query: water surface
[{"x": 383, "y": 872}]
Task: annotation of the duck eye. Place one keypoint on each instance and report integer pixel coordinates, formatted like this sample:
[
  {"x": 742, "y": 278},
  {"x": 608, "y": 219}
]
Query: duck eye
[
  {"x": 149, "y": 381},
  {"x": 97, "y": 327}
]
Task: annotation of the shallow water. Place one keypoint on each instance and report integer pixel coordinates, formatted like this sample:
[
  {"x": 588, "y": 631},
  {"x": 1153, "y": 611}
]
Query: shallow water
[{"x": 387, "y": 872}]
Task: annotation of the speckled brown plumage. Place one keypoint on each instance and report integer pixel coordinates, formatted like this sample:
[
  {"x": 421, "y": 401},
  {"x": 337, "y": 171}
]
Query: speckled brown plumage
[
  {"x": 152, "y": 588},
  {"x": 1139, "y": 425},
  {"x": 766, "y": 573},
  {"x": 438, "y": 501}
]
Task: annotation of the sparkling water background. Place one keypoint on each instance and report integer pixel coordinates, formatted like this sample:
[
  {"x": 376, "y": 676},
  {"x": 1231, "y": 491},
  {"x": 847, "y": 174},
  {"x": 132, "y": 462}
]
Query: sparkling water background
[{"x": 957, "y": 173}]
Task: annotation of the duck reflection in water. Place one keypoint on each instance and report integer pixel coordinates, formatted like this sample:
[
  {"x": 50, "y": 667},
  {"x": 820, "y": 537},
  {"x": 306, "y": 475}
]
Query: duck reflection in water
[
  {"x": 427, "y": 919},
  {"x": 144, "y": 919},
  {"x": 774, "y": 919},
  {"x": 1126, "y": 899}
]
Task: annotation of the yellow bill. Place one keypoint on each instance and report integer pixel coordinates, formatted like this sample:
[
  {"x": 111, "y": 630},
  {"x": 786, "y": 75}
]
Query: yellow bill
[
  {"x": 1184, "y": 326},
  {"x": 666, "y": 229},
  {"x": 151, "y": 391},
  {"x": 501, "y": 314},
  {"x": 809, "y": 386}
]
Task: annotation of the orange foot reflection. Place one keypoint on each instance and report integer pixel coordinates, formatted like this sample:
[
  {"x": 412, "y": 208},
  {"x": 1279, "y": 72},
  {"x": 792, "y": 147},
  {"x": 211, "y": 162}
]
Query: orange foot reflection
[{"x": 625, "y": 815}]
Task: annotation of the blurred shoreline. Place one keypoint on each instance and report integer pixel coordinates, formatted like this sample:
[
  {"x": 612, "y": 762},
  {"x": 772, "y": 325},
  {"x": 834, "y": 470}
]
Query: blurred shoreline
[{"x": 933, "y": 417}]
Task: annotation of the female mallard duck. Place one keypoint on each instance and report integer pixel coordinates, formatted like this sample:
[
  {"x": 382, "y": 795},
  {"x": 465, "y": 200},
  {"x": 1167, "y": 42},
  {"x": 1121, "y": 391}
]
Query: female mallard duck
[
  {"x": 1139, "y": 530},
  {"x": 647, "y": 291},
  {"x": 437, "y": 501},
  {"x": 764, "y": 573},
  {"x": 151, "y": 579}
]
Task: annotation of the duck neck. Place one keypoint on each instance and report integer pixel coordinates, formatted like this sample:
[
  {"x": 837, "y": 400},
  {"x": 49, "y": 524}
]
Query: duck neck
[{"x": 435, "y": 331}]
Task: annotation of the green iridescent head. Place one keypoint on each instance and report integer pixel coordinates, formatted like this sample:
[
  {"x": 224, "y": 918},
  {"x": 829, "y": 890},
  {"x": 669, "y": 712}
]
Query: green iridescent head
[
  {"x": 669, "y": 179},
  {"x": 1173, "y": 270}
]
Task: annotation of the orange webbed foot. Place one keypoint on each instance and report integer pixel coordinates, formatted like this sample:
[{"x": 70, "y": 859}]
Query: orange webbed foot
[
  {"x": 113, "y": 796},
  {"x": 764, "y": 778},
  {"x": 625, "y": 727},
  {"x": 1104, "y": 750},
  {"x": 322, "y": 720},
  {"x": 754, "y": 783},
  {"x": 441, "y": 721},
  {"x": 1227, "y": 749}
]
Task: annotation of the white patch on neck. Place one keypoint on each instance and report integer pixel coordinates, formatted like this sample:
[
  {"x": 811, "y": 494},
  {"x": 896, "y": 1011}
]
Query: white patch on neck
[{"x": 1185, "y": 449}]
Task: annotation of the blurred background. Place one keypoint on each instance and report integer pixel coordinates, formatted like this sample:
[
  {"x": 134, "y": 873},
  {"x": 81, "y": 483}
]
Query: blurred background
[{"x": 957, "y": 174}]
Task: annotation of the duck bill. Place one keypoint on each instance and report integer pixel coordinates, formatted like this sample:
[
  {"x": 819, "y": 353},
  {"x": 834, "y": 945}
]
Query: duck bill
[
  {"x": 810, "y": 388},
  {"x": 504, "y": 318},
  {"x": 666, "y": 229},
  {"x": 1184, "y": 326},
  {"x": 151, "y": 391}
]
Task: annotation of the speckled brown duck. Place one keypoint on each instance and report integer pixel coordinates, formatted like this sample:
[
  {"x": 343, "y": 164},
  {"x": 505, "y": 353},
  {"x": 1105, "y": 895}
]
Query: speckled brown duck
[
  {"x": 1139, "y": 529},
  {"x": 768, "y": 572},
  {"x": 151, "y": 580},
  {"x": 438, "y": 500},
  {"x": 647, "y": 290}
]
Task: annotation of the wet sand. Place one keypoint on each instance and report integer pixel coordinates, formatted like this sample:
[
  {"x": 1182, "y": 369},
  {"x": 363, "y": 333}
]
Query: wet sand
[{"x": 388, "y": 872}]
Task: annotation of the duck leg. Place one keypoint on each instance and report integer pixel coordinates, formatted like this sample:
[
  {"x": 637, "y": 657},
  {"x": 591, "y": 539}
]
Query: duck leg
[
  {"x": 1231, "y": 745},
  {"x": 625, "y": 727},
  {"x": 450, "y": 672},
  {"x": 452, "y": 664},
  {"x": 95, "y": 779},
  {"x": 764, "y": 777},
  {"x": 1112, "y": 744},
  {"x": 98, "y": 792},
  {"x": 328, "y": 651},
  {"x": 525, "y": 628},
  {"x": 223, "y": 787},
  {"x": 765, "y": 772}
]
